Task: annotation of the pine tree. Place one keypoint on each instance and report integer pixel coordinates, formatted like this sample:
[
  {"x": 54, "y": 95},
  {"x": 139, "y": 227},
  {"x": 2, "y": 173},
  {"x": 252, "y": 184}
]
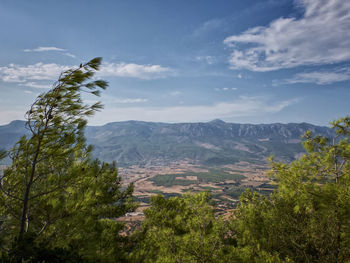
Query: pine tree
[
  {"x": 183, "y": 229},
  {"x": 307, "y": 219},
  {"x": 53, "y": 190}
]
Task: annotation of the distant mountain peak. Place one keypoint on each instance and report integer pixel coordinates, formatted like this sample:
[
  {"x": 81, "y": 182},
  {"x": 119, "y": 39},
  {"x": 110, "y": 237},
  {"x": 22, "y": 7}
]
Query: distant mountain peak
[{"x": 217, "y": 121}]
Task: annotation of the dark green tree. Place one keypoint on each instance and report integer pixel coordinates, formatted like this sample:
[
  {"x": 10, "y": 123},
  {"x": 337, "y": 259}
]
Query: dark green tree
[
  {"x": 53, "y": 193},
  {"x": 183, "y": 229},
  {"x": 2, "y": 154},
  {"x": 307, "y": 219}
]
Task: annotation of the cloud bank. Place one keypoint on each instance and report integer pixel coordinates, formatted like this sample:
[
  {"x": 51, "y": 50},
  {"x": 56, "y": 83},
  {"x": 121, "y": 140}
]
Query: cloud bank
[
  {"x": 320, "y": 36},
  {"x": 43, "y": 49},
  {"x": 38, "y": 71},
  {"x": 41, "y": 71},
  {"x": 244, "y": 106},
  {"x": 321, "y": 77},
  {"x": 129, "y": 100},
  {"x": 46, "y": 49},
  {"x": 132, "y": 70}
]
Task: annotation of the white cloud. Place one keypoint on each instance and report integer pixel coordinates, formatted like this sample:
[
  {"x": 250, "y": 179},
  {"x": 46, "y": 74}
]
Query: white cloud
[
  {"x": 132, "y": 70},
  {"x": 244, "y": 106},
  {"x": 224, "y": 89},
  {"x": 43, "y": 49},
  {"x": 111, "y": 100},
  {"x": 239, "y": 76},
  {"x": 130, "y": 100},
  {"x": 70, "y": 55},
  {"x": 36, "y": 85},
  {"x": 320, "y": 77},
  {"x": 175, "y": 93},
  {"x": 208, "y": 59},
  {"x": 320, "y": 36},
  {"x": 38, "y": 71}
]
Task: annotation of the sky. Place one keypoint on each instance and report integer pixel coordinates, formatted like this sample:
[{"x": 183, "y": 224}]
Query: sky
[{"x": 262, "y": 61}]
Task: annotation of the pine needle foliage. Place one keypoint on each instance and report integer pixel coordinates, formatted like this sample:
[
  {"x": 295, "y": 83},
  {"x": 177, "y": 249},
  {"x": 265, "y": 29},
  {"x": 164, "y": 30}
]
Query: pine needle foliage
[{"x": 54, "y": 194}]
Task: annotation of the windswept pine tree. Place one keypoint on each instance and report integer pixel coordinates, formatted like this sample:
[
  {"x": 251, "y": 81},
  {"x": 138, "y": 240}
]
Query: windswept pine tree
[{"x": 54, "y": 197}]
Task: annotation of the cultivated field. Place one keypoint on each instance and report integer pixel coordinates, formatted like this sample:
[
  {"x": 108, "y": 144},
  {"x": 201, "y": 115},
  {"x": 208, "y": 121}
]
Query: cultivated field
[{"x": 226, "y": 182}]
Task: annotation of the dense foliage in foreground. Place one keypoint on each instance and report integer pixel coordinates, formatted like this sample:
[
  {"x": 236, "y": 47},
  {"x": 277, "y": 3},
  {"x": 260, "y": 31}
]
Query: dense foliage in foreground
[{"x": 59, "y": 205}]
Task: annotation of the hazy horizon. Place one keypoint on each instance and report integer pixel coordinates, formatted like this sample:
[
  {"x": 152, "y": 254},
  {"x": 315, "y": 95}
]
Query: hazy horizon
[{"x": 247, "y": 123}]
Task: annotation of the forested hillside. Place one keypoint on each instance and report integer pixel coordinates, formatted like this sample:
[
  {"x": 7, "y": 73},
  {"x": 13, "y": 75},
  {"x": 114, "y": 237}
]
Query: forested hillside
[{"x": 211, "y": 143}]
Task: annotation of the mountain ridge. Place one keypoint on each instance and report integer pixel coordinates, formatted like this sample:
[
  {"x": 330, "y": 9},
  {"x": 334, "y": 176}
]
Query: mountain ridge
[{"x": 208, "y": 143}]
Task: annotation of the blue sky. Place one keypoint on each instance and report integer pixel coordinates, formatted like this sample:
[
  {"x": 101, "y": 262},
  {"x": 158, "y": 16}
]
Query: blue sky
[{"x": 184, "y": 61}]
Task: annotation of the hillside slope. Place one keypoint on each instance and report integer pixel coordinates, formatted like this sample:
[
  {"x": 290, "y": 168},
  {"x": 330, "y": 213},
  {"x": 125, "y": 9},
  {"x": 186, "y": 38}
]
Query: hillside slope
[{"x": 211, "y": 143}]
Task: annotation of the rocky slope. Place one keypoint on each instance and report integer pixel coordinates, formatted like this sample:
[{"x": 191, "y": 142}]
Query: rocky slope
[{"x": 211, "y": 143}]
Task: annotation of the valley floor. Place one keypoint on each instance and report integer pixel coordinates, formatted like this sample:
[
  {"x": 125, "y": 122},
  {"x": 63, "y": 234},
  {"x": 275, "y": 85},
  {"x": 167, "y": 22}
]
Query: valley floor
[{"x": 225, "y": 182}]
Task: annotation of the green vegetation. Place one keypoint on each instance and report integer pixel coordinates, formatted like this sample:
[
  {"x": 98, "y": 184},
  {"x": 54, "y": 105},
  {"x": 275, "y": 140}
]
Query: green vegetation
[
  {"x": 55, "y": 201},
  {"x": 155, "y": 191},
  {"x": 213, "y": 176},
  {"x": 307, "y": 218},
  {"x": 182, "y": 229},
  {"x": 234, "y": 192},
  {"x": 208, "y": 188},
  {"x": 170, "y": 179}
]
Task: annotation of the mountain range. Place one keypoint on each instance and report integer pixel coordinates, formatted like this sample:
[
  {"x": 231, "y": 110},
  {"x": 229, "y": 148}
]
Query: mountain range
[{"x": 211, "y": 143}]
